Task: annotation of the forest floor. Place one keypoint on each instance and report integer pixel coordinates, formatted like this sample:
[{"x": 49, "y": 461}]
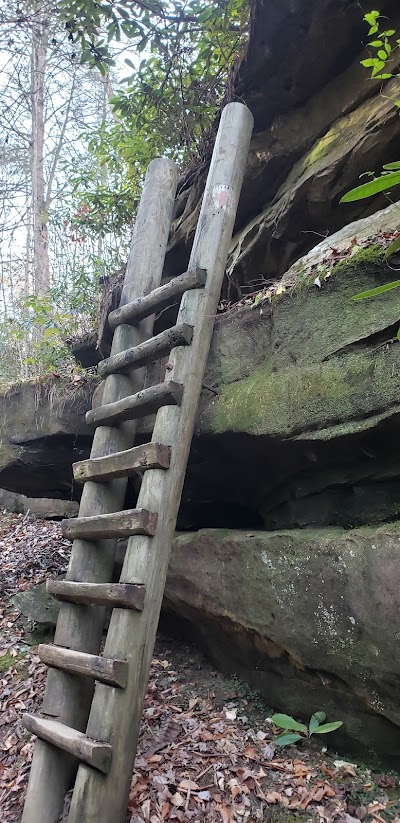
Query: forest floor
[{"x": 206, "y": 750}]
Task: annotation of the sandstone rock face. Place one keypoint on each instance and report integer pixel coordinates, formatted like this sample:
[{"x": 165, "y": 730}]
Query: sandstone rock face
[
  {"x": 43, "y": 507},
  {"x": 303, "y": 429},
  {"x": 308, "y": 617},
  {"x": 320, "y": 122},
  {"x": 297, "y": 441},
  {"x": 43, "y": 431}
]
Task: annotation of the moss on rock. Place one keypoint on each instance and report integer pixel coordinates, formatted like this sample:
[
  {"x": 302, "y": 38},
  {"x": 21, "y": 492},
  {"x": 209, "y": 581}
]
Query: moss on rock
[
  {"x": 348, "y": 392},
  {"x": 363, "y": 260}
]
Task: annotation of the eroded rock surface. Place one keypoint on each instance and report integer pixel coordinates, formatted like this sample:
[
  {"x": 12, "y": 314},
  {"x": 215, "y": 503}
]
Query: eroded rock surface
[
  {"x": 308, "y": 617},
  {"x": 320, "y": 122},
  {"x": 43, "y": 431}
]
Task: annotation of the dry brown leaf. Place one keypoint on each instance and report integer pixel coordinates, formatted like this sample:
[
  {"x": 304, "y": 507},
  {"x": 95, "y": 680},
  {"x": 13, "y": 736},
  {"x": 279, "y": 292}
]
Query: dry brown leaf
[
  {"x": 177, "y": 800},
  {"x": 250, "y": 753},
  {"x": 328, "y": 772}
]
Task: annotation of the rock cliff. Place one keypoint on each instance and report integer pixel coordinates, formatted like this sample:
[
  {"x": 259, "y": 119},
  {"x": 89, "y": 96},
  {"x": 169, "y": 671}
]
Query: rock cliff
[{"x": 288, "y": 571}]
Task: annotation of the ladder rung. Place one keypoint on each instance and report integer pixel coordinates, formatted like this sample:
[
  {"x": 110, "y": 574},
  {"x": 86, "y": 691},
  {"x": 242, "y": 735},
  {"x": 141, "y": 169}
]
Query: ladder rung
[
  {"x": 137, "y": 405},
  {"x": 114, "y": 595},
  {"x": 107, "y": 526},
  {"x": 147, "y": 352},
  {"x": 121, "y": 464},
  {"x": 158, "y": 299},
  {"x": 91, "y": 751},
  {"x": 106, "y": 670}
]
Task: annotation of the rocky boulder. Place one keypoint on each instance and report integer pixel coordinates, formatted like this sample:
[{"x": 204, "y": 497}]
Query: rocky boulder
[
  {"x": 43, "y": 431},
  {"x": 43, "y": 507},
  {"x": 308, "y": 617}
]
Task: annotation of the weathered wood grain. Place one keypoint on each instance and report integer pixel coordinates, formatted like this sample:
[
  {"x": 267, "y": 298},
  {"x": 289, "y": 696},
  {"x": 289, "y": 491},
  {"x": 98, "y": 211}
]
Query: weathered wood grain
[
  {"x": 122, "y": 464},
  {"x": 105, "y": 670},
  {"x": 98, "y": 755},
  {"x": 80, "y": 627},
  {"x": 138, "y": 405},
  {"x": 158, "y": 299},
  {"x": 108, "y": 526},
  {"x": 149, "y": 351},
  {"x": 113, "y": 595},
  {"x": 118, "y": 715}
]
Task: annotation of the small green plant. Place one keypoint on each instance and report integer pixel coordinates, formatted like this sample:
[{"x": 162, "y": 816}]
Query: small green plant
[
  {"x": 381, "y": 50},
  {"x": 295, "y": 731}
]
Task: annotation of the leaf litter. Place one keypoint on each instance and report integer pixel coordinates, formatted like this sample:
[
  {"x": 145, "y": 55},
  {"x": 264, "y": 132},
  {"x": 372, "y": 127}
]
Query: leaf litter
[{"x": 206, "y": 750}]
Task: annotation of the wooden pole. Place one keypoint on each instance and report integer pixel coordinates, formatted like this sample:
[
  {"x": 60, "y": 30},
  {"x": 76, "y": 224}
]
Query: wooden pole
[
  {"x": 115, "y": 715},
  {"x": 67, "y": 698}
]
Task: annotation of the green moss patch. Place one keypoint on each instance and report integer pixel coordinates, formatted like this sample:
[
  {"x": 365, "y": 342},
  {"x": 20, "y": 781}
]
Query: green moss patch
[{"x": 311, "y": 398}]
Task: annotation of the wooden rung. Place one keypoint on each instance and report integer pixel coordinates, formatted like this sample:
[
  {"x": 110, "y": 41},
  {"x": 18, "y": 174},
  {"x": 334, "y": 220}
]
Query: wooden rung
[
  {"x": 158, "y": 299},
  {"x": 137, "y": 405},
  {"x": 107, "y": 526},
  {"x": 122, "y": 464},
  {"x": 91, "y": 751},
  {"x": 147, "y": 352},
  {"x": 114, "y": 595},
  {"x": 106, "y": 670}
]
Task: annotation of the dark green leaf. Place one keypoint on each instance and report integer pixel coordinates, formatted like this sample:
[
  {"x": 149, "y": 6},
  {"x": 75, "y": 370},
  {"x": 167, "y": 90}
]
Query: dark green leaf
[
  {"x": 328, "y": 727},
  {"x": 363, "y": 295},
  {"x": 313, "y": 724},
  {"x": 287, "y": 739},
  {"x": 284, "y": 721},
  {"x": 395, "y": 246}
]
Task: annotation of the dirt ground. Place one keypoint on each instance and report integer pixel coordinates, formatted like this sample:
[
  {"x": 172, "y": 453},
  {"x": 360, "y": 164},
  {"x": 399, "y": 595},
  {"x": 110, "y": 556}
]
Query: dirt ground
[{"x": 206, "y": 750}]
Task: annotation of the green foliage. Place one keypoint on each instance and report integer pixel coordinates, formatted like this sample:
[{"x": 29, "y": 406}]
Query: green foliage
[
  {"x": 166, "y": 105},
  {"x": 102, "y": 209},
  {"x": 383, "y": 183},
  {"x": 33, "y": 338},
  {"x": 284, "y": 721},
  {"x": 394, "y": 284},
  {"x": 381, "y": 50},
  {"x": 394, "y": 247},
  {"x": 289, "y": 724}
]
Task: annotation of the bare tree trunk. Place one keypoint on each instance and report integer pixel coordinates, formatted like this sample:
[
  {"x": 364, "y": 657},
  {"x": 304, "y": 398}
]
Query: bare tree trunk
[
  {"x": 41, "y": 266},
  {"x": 107, "y": 93}
]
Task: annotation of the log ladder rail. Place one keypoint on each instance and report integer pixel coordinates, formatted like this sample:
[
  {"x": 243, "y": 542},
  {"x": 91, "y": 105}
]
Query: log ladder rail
[{"x": 87, "y": 733}]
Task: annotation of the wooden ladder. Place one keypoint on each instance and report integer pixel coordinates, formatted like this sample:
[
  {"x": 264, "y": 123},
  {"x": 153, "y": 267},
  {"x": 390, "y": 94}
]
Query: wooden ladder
[{"x": 88, "y": 730}]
